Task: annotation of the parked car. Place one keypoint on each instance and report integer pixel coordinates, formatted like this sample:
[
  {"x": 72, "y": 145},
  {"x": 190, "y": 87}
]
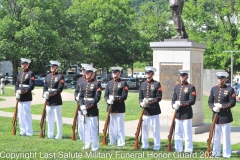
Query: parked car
[
  {"x": 133, "y": 83},
  {"x": 72, "y": 84},
  {"x": 139, "y": 75},
  {"x": 39, "y": 82},
  {"x": 104, "y": 82},
  {"x": 76, "y": 77}
]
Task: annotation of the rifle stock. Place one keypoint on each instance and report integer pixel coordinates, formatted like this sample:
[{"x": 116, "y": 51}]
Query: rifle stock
[
  {"x": 169, "y": 148},
  {"x": 43, "y": 121},
  {"x": 210, "y": 136},
  {"x": 104, "y": 141},
  {"x": 136, "y": 145},
  {"x": 14, "y": 120},
  {"x": 75, "y": 123}
]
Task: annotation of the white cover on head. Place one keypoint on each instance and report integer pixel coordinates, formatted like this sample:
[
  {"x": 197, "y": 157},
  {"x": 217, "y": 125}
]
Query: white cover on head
[
  {"x": 90, "y": 69},
  {"x": 222, "y": 74},
  {"x": 150, "y": 69},
  {"x": 86, "y": 65},
  {"x": 184, "y": 71},
  {"x": 116, "y": 68},
  {"x": 55, "y": 63},
  {"x": 25, "y": 60}
]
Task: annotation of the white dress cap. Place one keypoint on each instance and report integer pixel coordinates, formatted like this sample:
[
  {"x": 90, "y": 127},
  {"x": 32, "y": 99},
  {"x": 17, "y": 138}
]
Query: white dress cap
[
  {"x": 24, "y": 60},
  {"x": 85, "y": 65},
  {"x": 183, "y": 72},
  {"x": 90, "y": 69},
  {"x": 222, "y": 74},
  {"x": 55, "y": 63},
  {"x": 116, "y": 68},
  {"x": 150, "y": 69}
]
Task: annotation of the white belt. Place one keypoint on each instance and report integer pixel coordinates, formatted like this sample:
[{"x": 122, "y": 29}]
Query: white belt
[
  {"x": 52, "y": 89},
  {"x": 88, "y": 99},
  {"x": 24, "y": 85},
  {"x": 149, "y": 99}
]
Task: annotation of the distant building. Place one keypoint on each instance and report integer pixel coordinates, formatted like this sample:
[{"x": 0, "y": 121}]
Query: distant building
[{"x": 6, "y": 68}]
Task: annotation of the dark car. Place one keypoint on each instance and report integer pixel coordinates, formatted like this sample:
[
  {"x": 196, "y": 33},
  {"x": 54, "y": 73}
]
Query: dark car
[
  {"x": 76, "y": 77},
  {"x": 39, "y": 82},
  {"x": 72, "y": 84}
]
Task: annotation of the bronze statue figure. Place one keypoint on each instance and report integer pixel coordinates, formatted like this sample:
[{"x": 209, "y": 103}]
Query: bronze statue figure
[{"x": 176, "y": 7}]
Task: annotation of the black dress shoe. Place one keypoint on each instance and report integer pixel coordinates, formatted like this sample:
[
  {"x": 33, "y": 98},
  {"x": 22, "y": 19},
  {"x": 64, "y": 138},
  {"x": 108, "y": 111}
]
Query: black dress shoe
[{"x": 22, "y": 134}]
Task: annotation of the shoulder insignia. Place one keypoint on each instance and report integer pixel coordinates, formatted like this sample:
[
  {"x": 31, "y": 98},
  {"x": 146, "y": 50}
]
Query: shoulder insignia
[
  {"x": 160, "y": 89},
  {"x": 126, "y": 88},
  {"x": 32, "y": 78},
  {"x": 194, "y": 93},
  {"x": 62, "y": 81},
  {"x": 233, "y": 95}
]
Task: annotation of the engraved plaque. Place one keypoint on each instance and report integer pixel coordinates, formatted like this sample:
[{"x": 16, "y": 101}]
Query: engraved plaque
[
  {"x": 169, "y": 77},
  {"x": 196, "y": 79}
]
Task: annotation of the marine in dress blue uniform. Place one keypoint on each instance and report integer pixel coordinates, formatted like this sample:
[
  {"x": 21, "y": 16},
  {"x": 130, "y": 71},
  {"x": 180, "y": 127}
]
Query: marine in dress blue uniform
[
  {"x": 222, "y": 98},
  {"x": 24, "y": 85},
  {"x": 150, "y": 94},
  {"x": 53, "y": 86},
  {"x": 116, "y": 93},
  {"x": 184, "y": 96},
  {"x": 76, "y": 97},
  {"x": 90, "y": 95}
]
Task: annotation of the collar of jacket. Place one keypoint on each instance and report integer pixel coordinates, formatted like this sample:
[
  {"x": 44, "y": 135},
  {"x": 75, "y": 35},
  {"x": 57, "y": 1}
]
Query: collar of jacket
[
  {"x": 185, "y": 83},
  {"x": 117, "y": 80},
  {"x": 222, "y": 86},
  {"x": 25, "y": 70},
  {"x": 150, "y": 81}
]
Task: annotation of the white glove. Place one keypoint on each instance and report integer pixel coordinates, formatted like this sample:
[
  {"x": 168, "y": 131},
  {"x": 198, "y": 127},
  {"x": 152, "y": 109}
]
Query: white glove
[
  {"x": 18, "y": 92},
  {"x": 18, "y": 96},
  {"x": 143, "y": 105},
  {"x": 46, "y": 95},
  {"x": 218, "y": 105},
  {"x": 145, "y": 101},
  {"x": 175, "y": 106},
  {"x": 177, "y": 103},
  {"x": 83, "y": 109},
  {"x": 216, "y": 109},
  {"x": 109, "y": 101},
  {"x": 111, "y": 97},
  {"x": 77, "y": 98}
]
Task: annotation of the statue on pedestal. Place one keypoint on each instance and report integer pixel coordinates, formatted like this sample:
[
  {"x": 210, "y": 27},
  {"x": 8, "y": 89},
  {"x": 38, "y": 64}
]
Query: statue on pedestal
[{"x": 176, "y": 7}]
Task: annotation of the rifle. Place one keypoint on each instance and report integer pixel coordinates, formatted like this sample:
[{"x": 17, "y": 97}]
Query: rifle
[
  {"x": 136, "y": 145},
  {"x": 211, "y": 136},
  {"x": 75, "y": 123},
  {"x": 104, "y": 141},
  {"x": 14, "y": 120},
  {"x": 169, "y": 148},
  {"x": 43, "y": 121}
]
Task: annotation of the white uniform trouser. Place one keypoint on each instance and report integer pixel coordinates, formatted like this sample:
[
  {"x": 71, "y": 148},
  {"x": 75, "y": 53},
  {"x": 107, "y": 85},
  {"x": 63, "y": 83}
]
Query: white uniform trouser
[
  {"x": 116, "y": 129},
  {"x": 90, "y": 132},
  {"x": 54, "y": 112},
  {"x": 183, "y": 126},
  {"x": 154, "y": 121},
  {"x": 80, "y": 128},
  {"x": 225, "y": 131},
  {"x": 25, "y": 118}
]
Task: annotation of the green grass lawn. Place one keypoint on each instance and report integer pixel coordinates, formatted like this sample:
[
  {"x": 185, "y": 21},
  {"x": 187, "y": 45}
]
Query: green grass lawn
[
  {"x": 69, "y": 107},
  {"x": 2, "y": 99},
  {"x": 8, "y": 91},
  {"x": 132, "y": 108},
  {"x": 37, "y": 148}
]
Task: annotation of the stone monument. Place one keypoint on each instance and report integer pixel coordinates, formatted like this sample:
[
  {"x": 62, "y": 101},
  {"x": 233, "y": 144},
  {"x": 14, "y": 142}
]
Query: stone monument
[{"x": 170, "y": 56}]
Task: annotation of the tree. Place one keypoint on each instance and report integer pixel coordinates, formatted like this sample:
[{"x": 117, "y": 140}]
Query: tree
[
  {"x": 214, "y": 23},
  {"x": 153, "y": 22}
]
